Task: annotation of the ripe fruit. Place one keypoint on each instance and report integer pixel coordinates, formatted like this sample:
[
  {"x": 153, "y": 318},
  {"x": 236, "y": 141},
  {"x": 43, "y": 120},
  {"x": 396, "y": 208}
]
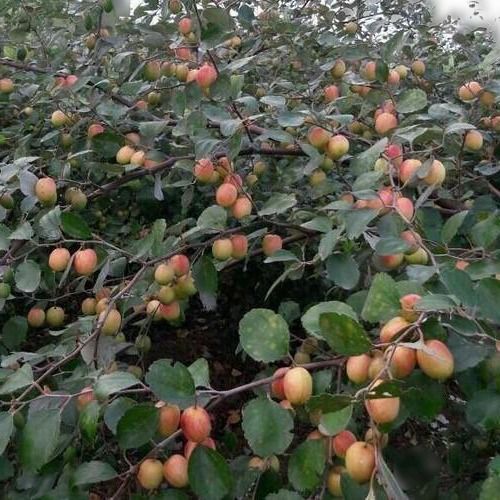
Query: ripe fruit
[
  {"x": 357, "y": 368},
  {"x": 203, "y": 170},
  {"x": 438, "y": 363},
  {"x": 185, "y": 25},
  {"x": 271, "y": 243},
  {"x": 393, "y": 78},
  {"x": 222, "y": 249},
  {"x": 101, "y": 305},
  {"x": 368, "y": 71},
  {"x": 164, "y": 274},
  {"x": 487, "y": 98},
  {"x": 461, "y": 265},
  {"x": 473, "y": 140},
  {"x": 152, "y": 71},
  {"x": 408, "y": 306},
  {"x": 175, "y": 471},
  {"x": 112, "y": 323},
  {"x": 6, "y": 86},
  {"x": 206, "y": 76},
  {"x": 124, "y": 155},
  {"x": 191, "y": 445},
  {"x": 150, "y": 474},
  {"x": 382, "y": 410},
  {"x": 337, "y": 147},
  {"x": 85, "y": 397},
  {"x": 407, "y": 169},
  {"x": 377, "y": 365},
  {"x": 392, "y": 329},
  {"x": 418, "y": 67},
  {"x": 169, "y": 419},
  {"x": 469, "y": 91},
  {"x": 342, "y": 441},
  {"x": 436, "y": 174},
  {"x": 138, "y": 158},
  {"x": 58, "y": 259},
  {"x": 241, "y": 208},
  {"x": 297, "y": 385},
  {"x": 240, "y": 246},
  {"x": 195, "y": 424},
  {"x": 403, "y": 361},
  {"x": 331, "y": 93},
  {"x": 402, "y": 71},
  {"x": 333, "y": 481},
  {"x": 388, "y": 262},
  {"x": 59, "y": 119},
  {"x": 89, "y": 306},
  {"x": 277, "y": 390},
  {"x": 180, "y": 264},
  {"x": 318, "y": 137},
  {"x": 226, "y": 195},
  {"x": 36, "y": 317},
  {"x": 414, "y": 240},
  {"x": 338, "y": 69},
  {"x": 85, "y": 262},
  {"x": 46, "y": 191},
  {"x": 133, "y": 138},
  {"x": 360, "y": 461},
  {"x": 153, "y": 309},
  {"x": 395, "y": 154},
  {"x": 419, "y": 257},
  {"x": 385, "y": 122},
  {"x": 405, "y": 208},
  {"x": 55, "y": 316}
]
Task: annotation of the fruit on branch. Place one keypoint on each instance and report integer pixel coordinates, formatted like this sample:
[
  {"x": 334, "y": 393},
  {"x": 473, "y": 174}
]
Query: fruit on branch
[
  {"x": 382, "y": 410},
  {"x": 168, "y": 421},
  {"x": 133, "y": 138},
  {"x": 331, "y": 93},
  {"x": 381, "y": 165},
  {"x": 174, "y": 6},
  {"x": 154, "y": 98},
  {"x": 357, "y": 368},
  {"x": 361, "y": 90},
  {"x": 342, "y": 441},
  {"x": 226, "y": 195},
  {"x": 112, "y": 323},
  {"x": 408, "y": 303},
  {"x": 317, "y": 178},
  {"x": 191, "y": 445},
  {"x": 6, "y": 201},
  {"x": 277, "y": 389},
  {"x": 408, "y": 169},
  {"x": 241, "y": 208},
  {"x": 388, "y": 262},
  {"x": 95, "y": 129},
  {"x": 360, "y": 461},
  {"x": 393, "y": 329},
  {"x": 150, "y": 474},
  {"x": 333, "y": 480},
  {"x": 124, "y": 155},
  {"x": 369, "y": 70},
  {"x": 403, "y": 360},
  {"x": 153, "y": 309},
  {"x": 301, "y": 358},
  {"x": 377, "y": 365},
  {"x": 184, "y": 287},
  {"x": 395, "y": 154},
  {"x": 164, "y": 274},
  {"x": 385, "y": 123},
  {"x": 402, "y": 71},
  {"x": 338, "y": 69},
  {"x": 438, "y": 362},
  {"x": 101, "y": 305},
  {"x": 59, "y": 119},
  {"x": 170, "y": 312},
  {"x": 195, "y": 424},
  {"x": 6, "y": 86},
  {"x": 259, "y": 168},
  {"x": 469, "y": 91},
  {"x": 66, "y": 140},
  {"x": 419, "y": 257},
  {"x": 175, "y": 471},
  {"x": 318, "y": 137},
  {"x": 351, "y": 27},
  {"x": 180, "y": 264},
  {"x": 138, "y": 159},
  {"x": 85, "y": 397},
  {"x": 70, "y": 80},
  {"x": 185, "y": 25},
  {"x": 487, "y": 98},
  {"x": 166, "y": 294},
  {"x": 404, "y": 206},
  {"x": 4, "y": 290},
  {"x": 436, "y": 174},
  {"x": 240, "y": 246},
  {"x": 36, "y": 317},
  {"x": 206, "y": 76},
  {"x": 85, "y": 262},
  {"x": 204, "y": 170},
  {"x": 89, "y": 306},
  {"x": 461, "y": 265},
  {"x": 152, "y": 71},
  {"x": 59, "y": 259},
  {"x": 271, "y": 243},
  {"x": 46, "y": 191},
  {"x": 143, "y": 343},
  {"x": 222, "y": 249},
  {"x": 297, "y": 385},
  {"x": 413, "y": 239},
  {"x": 55, "y": 316},
  {"x": 337, "y": 146},
  {"x": 473, "y": 140},
  {"x": 418, "y": 67},
  {"x": 393, "y": 78}
]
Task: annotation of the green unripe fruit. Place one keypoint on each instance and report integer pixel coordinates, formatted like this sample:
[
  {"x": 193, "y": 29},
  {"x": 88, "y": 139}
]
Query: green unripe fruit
[
  {"x": 143, "y": 343},
  {"x": 19, "y": 420},
  {"x": 6, "y": 201},
  {"x": 79, "y": 200},
  {"x": 55, "y": 317},
  {"x": 166, "y": 294},
  {"x": 135, "y": 370},
  {"x": 4, "y": 290}
]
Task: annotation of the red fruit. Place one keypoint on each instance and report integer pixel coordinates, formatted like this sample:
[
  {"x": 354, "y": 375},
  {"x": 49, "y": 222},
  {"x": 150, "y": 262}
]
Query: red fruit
[
  {"x": 382, "y": 410},
  {"x": 206, "y": 76},
  {"x": 385, "y": 122},
  {"x": 180, "y": 264},
  {"x": 390, "y": 261},
  {"x": 332, "y": 92},
  {"x": 405, "y": 208},
  {"x": 95, "y": 129},
  {"x": 85, "y": 262},
  {"x": 403, "y": 361},
  {"x": 408, "y": 306},
  {"x": 226, "y": 195},
  {"x": 395, "y": 153},
  {"x": 170, "y": 312},
  {"x": 318, "y": 137},
  {"x": 342, "y": 441},
  {"x": 235, "y": 180},
  {"x": 58, "y": 259},
  {"x": 36, "y": 317},
  {"x": 85, "y": 397},
  {"x": 203, "y": 170},
  {"x": 175, "y": 471},
  {"x": 185, "y": 25},
  {"x": 241, "y": 208},
  {"x": 6, "y": 86},
  {"x": 438, "y": 363},
  {"x": 46, "y": 191},
  {"x": 277, "y": 390},
  {"x": 413, "y": 239},
  {"x": 195, "y": 424},
  {"x": 357, "y": 368},
  {"x": 271, "y": 243},
  {"x": 240, "y": 246},
  {"x": 392, "y": 329},
  {"x": 70, "y": 80},
  {"x": 183, "y": 53},
  {"x": 191, "y": 445}
]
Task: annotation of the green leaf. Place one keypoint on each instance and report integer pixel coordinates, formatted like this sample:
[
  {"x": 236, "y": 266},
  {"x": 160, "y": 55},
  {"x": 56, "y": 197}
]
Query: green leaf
[
  {"x": 391, "y": 245},
  {"x": 137, "y": 426},
  {"x": 310, "y": 320},
  {"x": 264, "y": 335},
  {"x": 93, "y": 472},
  {"x": 73, "y": 225},
  {"x": 23, "y": 232},
  {"x": 485, "y": 233},
  {"x": 306, "y": 465},
  {"x": 199, "y": 370},
  {"x": 488, "y": 296},
  {"x": 291, "y": 119},
  {"x": 39, "y": 438},
  {"x": 356, "y": 221},
  {"x": 364, "y": 161},
  {"x": 382, "y": 301},
  {"x": 209, "y": 475},
  {"x": 343, "y": 334},
  {"x": 412, "y": 100},
  {"x": 14, "y": 332},
  {"x": 466, "y": 354},
  {"x": 436, "y": 302},
  {"x": 333, "y": 422},
  {"x": 343, "y": 270},
  {"x": 490, "y": 488},
  {"x": 483, "y": 410},
  {"x": 152, "y": 129},
  {"x": 48, "y": 225},
  {"x": 113, "y": 382},
  {"x": 381, "y": 70},
  {"x": 213, "y": 217},
  {"x": 171, "y": 382},
  {"x": 425, "y": 397},
  {"x": 6, "y": 428},
  {"x": 460, "y": 285},
  {"x": 89, "y": 420},
  {"x": 267, "y": 427},
  {"x": 17, "y": 380},
  {"x": 328, "y": 242},
  {"x": 28, "y": 276},
  {"x": 452, "y": 225},
  {"x": 329, "y": 403},
  {"x": 352, "y": 490},
  {"x": 115, "y": 411},
  {"x": 206, "y": 279},
  {"x": 284, "y": 495},
  {"x": 278, "y": 203}
]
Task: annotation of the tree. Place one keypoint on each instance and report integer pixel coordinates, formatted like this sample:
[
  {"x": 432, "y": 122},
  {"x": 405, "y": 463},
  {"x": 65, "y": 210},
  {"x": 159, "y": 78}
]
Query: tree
[{"x": 249, "y": 250}]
